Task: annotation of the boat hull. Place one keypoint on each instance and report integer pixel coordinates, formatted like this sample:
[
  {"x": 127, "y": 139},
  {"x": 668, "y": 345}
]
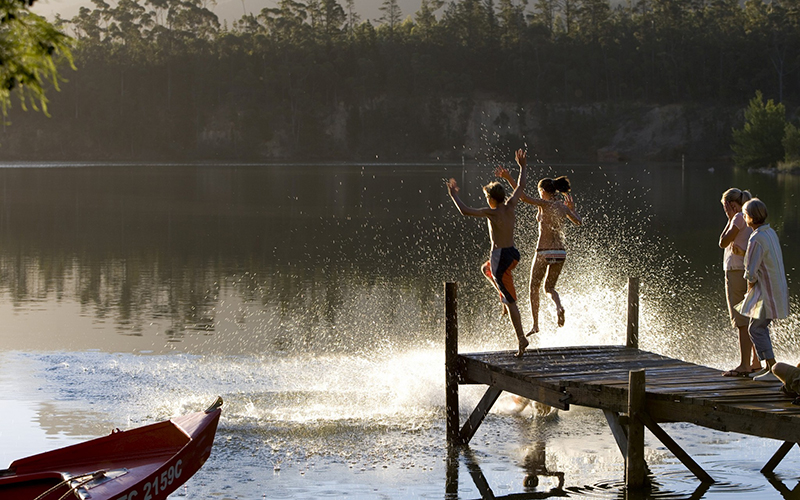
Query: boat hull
[{"x": 145, "y": 463}]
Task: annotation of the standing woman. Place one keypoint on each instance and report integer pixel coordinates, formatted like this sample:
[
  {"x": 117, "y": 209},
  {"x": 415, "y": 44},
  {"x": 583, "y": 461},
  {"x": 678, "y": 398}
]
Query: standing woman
[
  {"x": 551, "y": 249},
  {"x": 734, "y": 242},
  {"x": 767, "y": 295}
]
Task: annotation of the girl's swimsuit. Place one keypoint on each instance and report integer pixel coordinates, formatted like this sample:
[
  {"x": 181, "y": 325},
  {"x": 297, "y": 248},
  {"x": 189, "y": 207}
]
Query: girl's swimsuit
[{"x": 552, "y": 255}]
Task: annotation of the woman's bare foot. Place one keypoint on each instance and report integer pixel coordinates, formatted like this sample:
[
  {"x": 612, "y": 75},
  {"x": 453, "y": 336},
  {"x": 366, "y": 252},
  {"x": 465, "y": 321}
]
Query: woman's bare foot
[
  {"x": 560, "y": 313},
  {"x": 755, "y": 367},
  {"x": 523, "y": 344},
  {"x": 535, "y": 329},
  {"x": 739, "y": 371}
]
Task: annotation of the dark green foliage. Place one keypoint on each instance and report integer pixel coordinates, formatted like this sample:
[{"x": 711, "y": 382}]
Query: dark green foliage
[
  {"x": 30, "y": 48},
  {"x": 759, "y": 143},
  {"x": 791, "y": 143},
  {"x": 163, "y": 77}
]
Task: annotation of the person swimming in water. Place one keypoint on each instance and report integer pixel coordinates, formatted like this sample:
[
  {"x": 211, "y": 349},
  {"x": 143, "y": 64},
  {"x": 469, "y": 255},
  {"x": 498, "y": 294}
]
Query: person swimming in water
[
  {"x": 504, "y": 256},
  {"x": 551, "y": 250}
]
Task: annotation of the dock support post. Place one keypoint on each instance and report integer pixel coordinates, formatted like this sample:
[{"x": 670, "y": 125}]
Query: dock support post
[
  {"x": 480, "y": 412},
  {"x": 676, "y": 450},
  {"x": 633, "y": 314},
  {"x": 635, "y": 465},
  {"x": 451, "y": 362},
  {"x": 618, "y": 430},
  {"x": 779, "y": 455}
]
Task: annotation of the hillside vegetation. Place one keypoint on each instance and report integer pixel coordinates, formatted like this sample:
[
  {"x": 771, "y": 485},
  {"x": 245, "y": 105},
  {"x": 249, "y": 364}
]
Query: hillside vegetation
[{"x": 655, "y": 79}]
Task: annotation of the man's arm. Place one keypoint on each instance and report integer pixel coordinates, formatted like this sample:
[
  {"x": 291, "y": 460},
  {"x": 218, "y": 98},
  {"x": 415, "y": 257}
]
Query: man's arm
[{"x": 452, "y": 190}]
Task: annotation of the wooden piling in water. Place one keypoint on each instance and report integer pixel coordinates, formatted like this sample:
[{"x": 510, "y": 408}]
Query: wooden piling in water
[
  {"x": 451, "y": 362},
  {"x": 635, "y": 465},
  {"x": 632, "y": 340}
]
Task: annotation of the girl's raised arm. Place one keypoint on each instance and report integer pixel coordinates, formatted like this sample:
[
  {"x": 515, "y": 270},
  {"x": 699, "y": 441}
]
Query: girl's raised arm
[{"x": 572, "y": 215}]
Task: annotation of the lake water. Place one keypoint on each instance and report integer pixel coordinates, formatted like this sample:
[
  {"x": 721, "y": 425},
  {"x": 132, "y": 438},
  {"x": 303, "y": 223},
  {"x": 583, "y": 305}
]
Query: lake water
[{"x": 310, "y": 297}]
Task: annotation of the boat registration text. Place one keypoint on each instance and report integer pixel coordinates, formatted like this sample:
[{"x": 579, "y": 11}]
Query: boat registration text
[{"x": 158, "y": 484}]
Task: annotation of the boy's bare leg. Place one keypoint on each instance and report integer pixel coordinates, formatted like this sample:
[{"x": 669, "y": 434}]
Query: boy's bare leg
[
  {"x": 516, "y": 320},
  {"x": 553, "y": 271},
  {"x": 487, "y": 273},
  {"x": 538, "y": 270}
]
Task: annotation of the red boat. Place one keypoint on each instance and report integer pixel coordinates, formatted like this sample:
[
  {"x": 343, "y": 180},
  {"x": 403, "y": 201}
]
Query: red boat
[{"x": 146, "y": 463}]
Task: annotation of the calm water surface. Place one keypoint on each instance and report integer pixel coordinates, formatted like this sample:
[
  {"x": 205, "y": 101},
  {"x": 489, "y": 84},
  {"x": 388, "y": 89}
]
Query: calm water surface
[{"x": 310, "y": 298}]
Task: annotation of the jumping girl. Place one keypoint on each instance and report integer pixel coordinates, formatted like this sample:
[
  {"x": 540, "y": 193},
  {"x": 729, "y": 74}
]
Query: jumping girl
[{"x": 551, "y": 251}]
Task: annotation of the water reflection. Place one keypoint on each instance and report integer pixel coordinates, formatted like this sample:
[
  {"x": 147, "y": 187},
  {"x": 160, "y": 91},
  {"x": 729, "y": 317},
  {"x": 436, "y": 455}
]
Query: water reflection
[
  {"x": 84, "y": 423},
  {"x": 312, "y": 296},
  {"x": 534, "y": 466},
  {"x": 785, "y": 491},
  {"x": 339, "y": 257}
]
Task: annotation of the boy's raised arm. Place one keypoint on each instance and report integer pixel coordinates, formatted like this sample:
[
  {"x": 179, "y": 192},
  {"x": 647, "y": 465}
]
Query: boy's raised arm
[
  {"x": 452, "y": 190},
  {"x": 519, "y": 189}
]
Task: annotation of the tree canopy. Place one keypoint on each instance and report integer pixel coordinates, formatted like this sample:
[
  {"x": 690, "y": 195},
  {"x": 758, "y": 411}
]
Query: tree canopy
[
  {"x": 311, "y": 75},
  {"x": 30, "y": 50},
  {"x": 759, "y": 143}
]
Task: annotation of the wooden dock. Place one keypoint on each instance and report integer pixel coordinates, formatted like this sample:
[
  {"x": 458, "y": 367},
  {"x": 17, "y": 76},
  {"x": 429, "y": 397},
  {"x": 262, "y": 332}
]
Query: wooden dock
[{"x": 635, "y": 389}]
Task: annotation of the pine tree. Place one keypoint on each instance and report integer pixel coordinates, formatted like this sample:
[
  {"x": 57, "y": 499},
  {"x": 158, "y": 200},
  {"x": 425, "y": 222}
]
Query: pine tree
[
  {"x": 392, "y": 15},
  {"x": 759, "y": 143}
]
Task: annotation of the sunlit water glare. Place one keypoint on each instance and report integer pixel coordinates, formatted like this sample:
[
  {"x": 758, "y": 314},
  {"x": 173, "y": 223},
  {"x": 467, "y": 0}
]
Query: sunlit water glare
[{"x": 326, "y": 338}]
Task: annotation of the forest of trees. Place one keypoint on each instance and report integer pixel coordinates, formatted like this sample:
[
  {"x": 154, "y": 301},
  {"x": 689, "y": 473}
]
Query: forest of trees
[{"x": 165, "y": 79}]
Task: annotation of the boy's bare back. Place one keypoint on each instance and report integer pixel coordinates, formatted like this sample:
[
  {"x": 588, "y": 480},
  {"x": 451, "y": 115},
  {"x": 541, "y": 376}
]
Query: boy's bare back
[
  {"x": 501, "y": 225},
  {"x": 500, "y": 214}
]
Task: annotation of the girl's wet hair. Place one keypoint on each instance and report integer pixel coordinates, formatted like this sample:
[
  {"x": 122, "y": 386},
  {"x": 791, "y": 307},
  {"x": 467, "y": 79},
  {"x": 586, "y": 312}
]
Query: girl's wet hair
[
  {"x": 560, "y": 184},
  {"x": 756, "y": 210},
  {"x": 736, "y": 195}
]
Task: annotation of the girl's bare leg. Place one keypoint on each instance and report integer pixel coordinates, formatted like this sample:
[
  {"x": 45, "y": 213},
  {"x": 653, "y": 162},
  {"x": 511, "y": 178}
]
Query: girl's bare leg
[
  {"x": 553, "y": 271},
  {"x": 538, "y": 270}
]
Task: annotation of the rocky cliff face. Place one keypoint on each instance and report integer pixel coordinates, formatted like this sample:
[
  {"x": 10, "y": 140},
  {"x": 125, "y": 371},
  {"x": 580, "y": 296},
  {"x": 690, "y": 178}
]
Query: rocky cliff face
[
  {"x": 387, "y": 129},
  {"x": 477, "y": 128},
  {"x": 604, "y": 132}
]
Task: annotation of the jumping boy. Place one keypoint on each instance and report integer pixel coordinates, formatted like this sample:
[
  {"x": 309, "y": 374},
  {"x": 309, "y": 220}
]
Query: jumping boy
[{"x": 504, "y": 256}]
